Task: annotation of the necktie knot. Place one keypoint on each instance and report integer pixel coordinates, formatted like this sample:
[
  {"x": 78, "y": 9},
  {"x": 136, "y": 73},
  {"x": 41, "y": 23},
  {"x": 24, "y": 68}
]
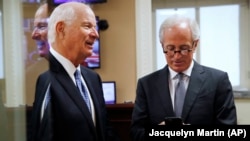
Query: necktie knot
[
  {"x": 77, "y": 75},
  {"x": 180, "y": 76}
]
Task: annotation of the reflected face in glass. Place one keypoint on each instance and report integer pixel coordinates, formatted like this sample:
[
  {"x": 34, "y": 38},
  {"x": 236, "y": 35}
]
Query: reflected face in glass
[
  {"x": 178, "y": 47},
  {"x": 40, "y": 31}
]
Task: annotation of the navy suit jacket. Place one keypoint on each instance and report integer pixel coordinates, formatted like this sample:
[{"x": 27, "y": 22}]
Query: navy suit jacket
[
  {"x": 37, "y": 130},
  {"x": 209, "y": 100},
  {"x": 69, "y": 118}
]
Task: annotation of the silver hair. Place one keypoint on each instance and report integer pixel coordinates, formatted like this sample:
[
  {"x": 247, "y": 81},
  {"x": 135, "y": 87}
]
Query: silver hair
[
  {"x": 177, "y": 19},
  {"x": 66, "y": 14}
]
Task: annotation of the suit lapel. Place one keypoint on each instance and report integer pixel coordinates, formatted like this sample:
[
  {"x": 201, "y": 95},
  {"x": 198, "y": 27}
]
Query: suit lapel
[
  {"x": 43, "y": 92},
  {"x": 41, "y": 125},
  {"x": 61, "y": 77},
  {"x": 95, "y": 96},
  {"x": 46, "y": 129},
  {"x": 163, "y": 90},
  {"x": 195, "y": 83},
  {"x": 40, "y": 101}
]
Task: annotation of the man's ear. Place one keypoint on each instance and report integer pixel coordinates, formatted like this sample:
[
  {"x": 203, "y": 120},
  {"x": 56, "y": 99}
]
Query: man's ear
[
  {"x": 60, "y": 29},
  {"x": 195, "y": 44}
]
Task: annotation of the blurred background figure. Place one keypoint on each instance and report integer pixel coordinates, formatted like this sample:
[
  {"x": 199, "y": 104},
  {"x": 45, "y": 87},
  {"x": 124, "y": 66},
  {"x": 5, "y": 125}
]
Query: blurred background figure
[
  {"x": 40, "y": 30},
  {"x": 38, "y": 55},
  {"x": 39, "y": 35}
]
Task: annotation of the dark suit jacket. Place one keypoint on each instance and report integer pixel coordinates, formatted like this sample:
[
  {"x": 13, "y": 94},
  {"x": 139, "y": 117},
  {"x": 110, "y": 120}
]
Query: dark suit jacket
[
  {"x": 209, "y": 100},
  {"x": 69, "y": 118},
  {"x": 37, "y": 130}
]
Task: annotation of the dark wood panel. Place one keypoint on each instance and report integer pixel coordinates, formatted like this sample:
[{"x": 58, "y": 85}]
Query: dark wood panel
[{"x": 120, "y": 117}]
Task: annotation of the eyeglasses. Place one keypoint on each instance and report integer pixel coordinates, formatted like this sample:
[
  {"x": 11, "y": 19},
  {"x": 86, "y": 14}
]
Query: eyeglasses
[
  {"x": 184, "y": 49},
  {"x": 171, "y": 52}
]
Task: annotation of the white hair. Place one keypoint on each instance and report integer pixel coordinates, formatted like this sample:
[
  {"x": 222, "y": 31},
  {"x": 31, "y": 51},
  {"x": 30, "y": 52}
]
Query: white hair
[
  {"x": 63, "y": 13},
  {"x": 177, "y": 19}
]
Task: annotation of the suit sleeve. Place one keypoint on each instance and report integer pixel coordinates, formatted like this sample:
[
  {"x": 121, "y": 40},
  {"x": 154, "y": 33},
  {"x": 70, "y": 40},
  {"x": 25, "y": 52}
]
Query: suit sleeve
[
  {"x": 224, "y": 106},
  {"x": 31, "y": 129},
  {"x": 139, "y": 115}
]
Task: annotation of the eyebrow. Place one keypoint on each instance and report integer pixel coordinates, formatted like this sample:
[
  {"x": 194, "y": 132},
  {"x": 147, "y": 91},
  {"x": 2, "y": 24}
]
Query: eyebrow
[{"x": 171, "y": 45}]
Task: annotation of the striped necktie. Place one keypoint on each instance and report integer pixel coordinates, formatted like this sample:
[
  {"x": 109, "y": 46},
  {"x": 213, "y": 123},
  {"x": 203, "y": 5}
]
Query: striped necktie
[
  {"x": 82, "y": 89},
  {"x": 179, "y": 95}
]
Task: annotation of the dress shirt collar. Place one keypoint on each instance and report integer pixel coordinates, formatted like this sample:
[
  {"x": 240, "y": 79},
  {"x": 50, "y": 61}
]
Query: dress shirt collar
[
  {"x": 187, "y": 72},
  {"x": 67, "y": 64}
]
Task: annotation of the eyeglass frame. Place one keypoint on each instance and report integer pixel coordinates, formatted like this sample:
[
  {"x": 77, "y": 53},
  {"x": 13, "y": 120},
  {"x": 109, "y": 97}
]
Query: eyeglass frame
[{"x": 181, "y": 51}]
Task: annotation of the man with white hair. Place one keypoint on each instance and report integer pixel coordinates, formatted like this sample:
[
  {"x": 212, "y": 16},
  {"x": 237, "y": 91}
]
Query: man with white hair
[{"x": 76, "y": 108}]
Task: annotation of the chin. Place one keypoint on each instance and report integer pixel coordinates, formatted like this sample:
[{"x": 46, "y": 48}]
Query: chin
[{"x": 178, "y": 69}]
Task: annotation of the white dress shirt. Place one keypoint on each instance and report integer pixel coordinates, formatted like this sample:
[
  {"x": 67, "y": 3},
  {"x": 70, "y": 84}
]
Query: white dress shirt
[
  {"x": 70, "y": 69},
  {"x": 173, "y": 80}
]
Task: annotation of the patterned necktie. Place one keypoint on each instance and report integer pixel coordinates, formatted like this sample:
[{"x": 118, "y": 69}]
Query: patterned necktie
[
  {"x": 179, "y": 95},
  {"x": 81, "y": 88}
]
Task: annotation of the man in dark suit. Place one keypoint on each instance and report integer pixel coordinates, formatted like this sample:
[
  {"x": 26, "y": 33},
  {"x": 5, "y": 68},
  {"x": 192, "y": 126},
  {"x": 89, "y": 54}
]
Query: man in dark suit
[
  {"x": 35, "y": 67},
  {"x": 39, "y": 65},
  {"x": 67, "y": 116},
  {"x": 207, "y": 97},
  {"x": 39, "y": 34}
]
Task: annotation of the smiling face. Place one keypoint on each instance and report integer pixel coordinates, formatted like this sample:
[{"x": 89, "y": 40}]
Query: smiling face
[
  {"x": 83, "y": 34},
  {"x": 77, "y": 36},
  {"x": 40, "y": 30},
  {"x": 177, "y": 38}
]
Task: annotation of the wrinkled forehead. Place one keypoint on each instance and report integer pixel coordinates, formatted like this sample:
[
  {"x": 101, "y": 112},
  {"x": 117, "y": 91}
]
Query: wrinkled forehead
[
  {"x": 41, "y": 20},
  {"x": 86, "y": 15}
]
